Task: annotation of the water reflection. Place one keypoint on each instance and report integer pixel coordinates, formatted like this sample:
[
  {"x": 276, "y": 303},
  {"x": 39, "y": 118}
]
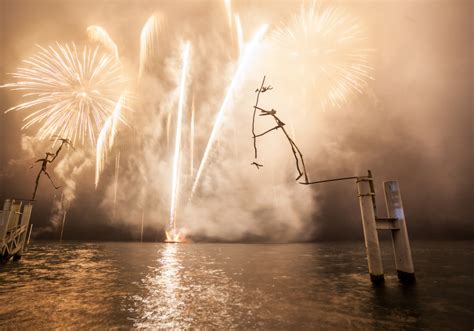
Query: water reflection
[
  {"x": 162, "y": 306},
  {"x": 214, "y": 286},
  {"x": 187, "y": 289},
  {"x": 63, "y": 286}
]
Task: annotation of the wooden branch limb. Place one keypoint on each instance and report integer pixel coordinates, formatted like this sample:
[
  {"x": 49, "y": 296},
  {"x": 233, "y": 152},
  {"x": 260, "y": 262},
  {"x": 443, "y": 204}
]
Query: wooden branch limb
[
  {"x": 292, "y": 145},
  {"x": 330, "y": 180},
  {"x": 259, "y": 108},
  {"x": 302, "y": 164},
  {"x": 301, "y": 168},
  {"x": 260, "y": 90},
  {"x": 302, "y": 161},
  {"x": 296, "y": 151},
  {"x": 269, "y": 130}
]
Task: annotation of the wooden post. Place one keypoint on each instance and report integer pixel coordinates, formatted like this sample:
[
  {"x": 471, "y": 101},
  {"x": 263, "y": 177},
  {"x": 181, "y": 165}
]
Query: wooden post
[
  {"x": 141, "y": 229},
  {"x": 62, "y": 224},
  {"x": 400, "y": 241},
  {"x": 372, "y": 247},
  {"x": 29, "y": 235},
  {"x": 25, "y": 222}
]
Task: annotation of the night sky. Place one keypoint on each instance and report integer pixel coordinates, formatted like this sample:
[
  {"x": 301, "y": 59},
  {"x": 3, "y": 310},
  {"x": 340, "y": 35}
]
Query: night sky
[{"x": 413, "y": 124}]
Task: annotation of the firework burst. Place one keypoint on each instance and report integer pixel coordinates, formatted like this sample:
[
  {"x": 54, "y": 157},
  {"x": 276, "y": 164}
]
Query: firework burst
[
  {"x": 100, "y": 35},
  {"x": 71, "y": 90},
  {"x": 245, "y": 59},
  {"x": 328, "y": 47},
  {"x": 106, "y": 138},
  {"x": 148, "y": 42}
]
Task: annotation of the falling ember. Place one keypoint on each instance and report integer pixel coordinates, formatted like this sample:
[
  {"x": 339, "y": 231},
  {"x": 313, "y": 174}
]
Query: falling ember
[
  {"x": 100, "y": 35},
  {"x": 244, "y": 60},
  {"x": 331, "y": 46},
  {"x": 72, "y": 90},
  {"x": 107, "y": 137},
  {"x": 177, "y": 149},
  {"x": 148, "y": 40}
]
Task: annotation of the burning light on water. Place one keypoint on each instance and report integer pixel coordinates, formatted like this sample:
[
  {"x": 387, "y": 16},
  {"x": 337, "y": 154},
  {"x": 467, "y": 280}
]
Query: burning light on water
[{"x": 174, "y": 236}]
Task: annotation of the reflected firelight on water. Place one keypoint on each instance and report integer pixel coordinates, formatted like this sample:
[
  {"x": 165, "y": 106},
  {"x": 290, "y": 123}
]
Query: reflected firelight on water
[
  {"x": 162, "y": 306},
  {"x": 183, "y": 289},
  {"x": 231, "y": 286}
]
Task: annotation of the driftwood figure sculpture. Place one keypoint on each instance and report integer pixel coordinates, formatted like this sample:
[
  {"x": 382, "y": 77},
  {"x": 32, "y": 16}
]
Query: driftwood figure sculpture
[
  {"x": 46, "y": 160},
  {"x": 300, "y": 166},
  {"x": 64, "y": 141},
  {"x": 44, "y": 164}
]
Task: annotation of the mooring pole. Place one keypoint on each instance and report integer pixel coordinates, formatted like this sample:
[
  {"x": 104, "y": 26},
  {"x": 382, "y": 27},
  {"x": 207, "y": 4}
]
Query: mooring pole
[
  {"x": 25, "y": 222},
  {"x": 29, "y": 234},
  {"x": 395, "y": 222},
  {"x": 62, "y": 225},
  {"x": 374, "y": 259},
  {"x": 400, "y": 241},
  {"x": 141, "y": 229}
]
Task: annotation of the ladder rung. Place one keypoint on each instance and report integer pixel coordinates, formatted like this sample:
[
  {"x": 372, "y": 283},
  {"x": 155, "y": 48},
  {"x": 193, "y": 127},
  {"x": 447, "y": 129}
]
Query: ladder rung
[
  {"x": 386, "y": 223},
  {"x": 383, "y": 219}
]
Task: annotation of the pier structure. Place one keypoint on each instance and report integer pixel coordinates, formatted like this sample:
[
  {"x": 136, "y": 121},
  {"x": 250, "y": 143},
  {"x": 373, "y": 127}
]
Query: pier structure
[
  {"x": 15, "y": 228},
  {"x": 394, "y": 222}
]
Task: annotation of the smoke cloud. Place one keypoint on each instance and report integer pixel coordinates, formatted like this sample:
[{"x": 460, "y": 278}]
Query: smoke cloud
[{"x": 411, "y": 122}]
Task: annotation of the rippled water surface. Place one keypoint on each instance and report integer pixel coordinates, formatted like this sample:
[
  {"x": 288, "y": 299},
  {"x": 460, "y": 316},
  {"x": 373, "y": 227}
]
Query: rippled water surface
[{"x": 223, "y": 286}]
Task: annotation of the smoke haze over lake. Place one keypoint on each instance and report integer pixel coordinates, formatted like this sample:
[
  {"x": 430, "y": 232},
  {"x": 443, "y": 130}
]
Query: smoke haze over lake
[{"x": 412, "y": 123}]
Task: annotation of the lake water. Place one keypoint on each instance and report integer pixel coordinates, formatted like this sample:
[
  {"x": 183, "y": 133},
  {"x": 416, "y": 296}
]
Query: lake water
[{"x": 243, "y": 286}]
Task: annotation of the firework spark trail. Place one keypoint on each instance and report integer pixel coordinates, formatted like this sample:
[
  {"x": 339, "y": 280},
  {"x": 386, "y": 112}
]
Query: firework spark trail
[
  {"x": 168, "y": 128},
  {"x": 228, "y": 10},
  {"x": 177, "y": 149},
  {"x": 244, "y": 60},
  {"x": 148, "y": 38},
  {"x": 191, "y": 139},
  {"x": 72, "y": 90},
  {"x": 116, "y": 176},
  {"x": 106, "y": 138},
  {"x": 240, "y": 36},
  {"x": 99, "y": 34},
  {"x": 329, "y": 44}
]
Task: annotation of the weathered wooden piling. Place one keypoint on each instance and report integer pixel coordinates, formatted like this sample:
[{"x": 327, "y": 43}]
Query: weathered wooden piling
[
  {"x": 395, "y": 222},
  {"x": 367, "y": 210},
  {"x": 400, "y": 241}
]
